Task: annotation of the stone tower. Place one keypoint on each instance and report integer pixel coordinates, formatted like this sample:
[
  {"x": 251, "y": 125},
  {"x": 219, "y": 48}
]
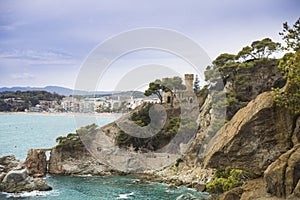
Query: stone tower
[{"x": 189, "y": 79}]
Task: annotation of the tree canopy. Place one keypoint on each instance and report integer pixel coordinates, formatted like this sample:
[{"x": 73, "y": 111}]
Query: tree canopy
[
  {"x": 155, "y": 88},
  {"x": 196, "y": 84},
  {"x": 259, "y": 49},
  {"x": 245, "y": 75},
  {"x": 165, "y": 85},
  {"x": 291, "y": 36}
]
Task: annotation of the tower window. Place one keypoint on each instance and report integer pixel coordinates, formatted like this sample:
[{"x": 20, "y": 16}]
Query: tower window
[{"x": 168, "y": 99}]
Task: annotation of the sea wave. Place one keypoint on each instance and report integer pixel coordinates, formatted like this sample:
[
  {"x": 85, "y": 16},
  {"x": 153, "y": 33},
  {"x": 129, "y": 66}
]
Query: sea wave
[
  {"x": 125, "y": 196},
  {"x": 32, "y": 194}
]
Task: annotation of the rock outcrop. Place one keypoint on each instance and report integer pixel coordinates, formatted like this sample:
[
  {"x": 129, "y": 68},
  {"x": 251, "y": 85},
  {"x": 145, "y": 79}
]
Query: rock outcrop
[
  {"x": 254, "y": 138},
  {"x": 74, "y": 161},
  {"x": 36, "y": 162},
  {"x": 282, "y": 177},
  {"x": 254, "y": 189},
  {"x": 14, "y": 177}
]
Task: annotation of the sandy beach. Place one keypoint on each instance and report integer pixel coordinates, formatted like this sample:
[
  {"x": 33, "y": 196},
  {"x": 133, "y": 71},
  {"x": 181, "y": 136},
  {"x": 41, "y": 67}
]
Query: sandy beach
[{"x": 107, "y": 115}]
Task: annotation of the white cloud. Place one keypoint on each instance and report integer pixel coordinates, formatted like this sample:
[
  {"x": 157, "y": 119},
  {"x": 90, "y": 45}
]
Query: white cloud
[
  {"x": 22, "y": 76},
  {"x": 39, "y": 57}
]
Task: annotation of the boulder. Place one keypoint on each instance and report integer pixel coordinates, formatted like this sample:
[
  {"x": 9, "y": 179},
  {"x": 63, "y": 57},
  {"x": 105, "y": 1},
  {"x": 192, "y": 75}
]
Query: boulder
[
  {"x": 36, "y": 162},
  {"x": 9, "y": 162},
  {"x": 234, "y": 194},
  {"x": 14, "y": 177},
  {"x": 282, "y": 177},
  {"x": 254, "y": 138}
]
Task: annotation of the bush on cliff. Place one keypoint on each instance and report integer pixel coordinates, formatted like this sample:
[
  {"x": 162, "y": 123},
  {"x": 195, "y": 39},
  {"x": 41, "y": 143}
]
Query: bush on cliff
[
  {"x": 227, "y": 179},
  {"x": 72, "y": 140},
  {"x": 290, "y": 65}
]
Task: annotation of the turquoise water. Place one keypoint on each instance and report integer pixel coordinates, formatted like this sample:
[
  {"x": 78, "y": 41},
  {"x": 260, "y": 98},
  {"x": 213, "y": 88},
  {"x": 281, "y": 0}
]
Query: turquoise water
[{"x": 20, "y": 132}]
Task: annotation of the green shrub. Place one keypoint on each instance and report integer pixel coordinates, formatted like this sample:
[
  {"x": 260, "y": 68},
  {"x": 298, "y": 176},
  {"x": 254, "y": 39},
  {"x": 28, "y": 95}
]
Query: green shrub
[
  {"x": 227, "y": 179},
  {"x": 73, "y": 139}
]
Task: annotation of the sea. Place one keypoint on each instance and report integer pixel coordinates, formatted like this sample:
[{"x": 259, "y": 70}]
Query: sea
[{"x": 20, "y": 132}]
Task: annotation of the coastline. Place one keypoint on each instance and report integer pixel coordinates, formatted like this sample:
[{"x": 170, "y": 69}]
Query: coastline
[{"x": 107, "y": 115}]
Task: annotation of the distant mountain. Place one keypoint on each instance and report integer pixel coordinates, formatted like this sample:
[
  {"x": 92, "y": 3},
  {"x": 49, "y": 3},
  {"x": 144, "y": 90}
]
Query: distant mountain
[
  {"x": 67, "y": 92},
  {"x": 57, "y": 89}
]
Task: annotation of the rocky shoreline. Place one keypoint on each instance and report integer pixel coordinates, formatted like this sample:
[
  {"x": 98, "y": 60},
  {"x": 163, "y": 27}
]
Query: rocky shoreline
[
  {"x": 14, "y": 177},
  {"x": 260, "y": 138}
]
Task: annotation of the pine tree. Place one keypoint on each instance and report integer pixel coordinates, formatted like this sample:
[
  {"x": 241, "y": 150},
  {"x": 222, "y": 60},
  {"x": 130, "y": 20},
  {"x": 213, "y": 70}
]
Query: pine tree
[{"x": 196, "y": 84}]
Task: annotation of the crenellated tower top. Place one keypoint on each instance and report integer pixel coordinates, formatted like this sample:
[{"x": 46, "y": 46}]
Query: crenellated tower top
[{"x": 189, "y": 78}]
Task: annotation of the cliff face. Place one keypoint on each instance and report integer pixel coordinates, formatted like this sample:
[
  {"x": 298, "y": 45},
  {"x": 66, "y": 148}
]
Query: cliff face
[
  {"x": 36, "y": 162},
  {"x": 74, "y": 161},
  {"x": 283, "y": 176},
  {"x": 188, "y": 170},
  {"x": 263, "y": 139},
  {"x": 254, "y": 138}
]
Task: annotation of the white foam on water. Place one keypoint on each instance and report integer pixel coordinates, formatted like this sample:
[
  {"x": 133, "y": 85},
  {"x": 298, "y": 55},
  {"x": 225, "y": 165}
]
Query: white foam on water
[
  {"x": 125, "y": 196},
  {"x": 84, "y": 175},
  {"x": 32, "y": 194}
]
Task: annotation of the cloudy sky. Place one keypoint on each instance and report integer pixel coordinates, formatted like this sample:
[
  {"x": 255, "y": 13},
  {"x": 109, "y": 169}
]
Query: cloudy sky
[{"x": 45, "y": 42}]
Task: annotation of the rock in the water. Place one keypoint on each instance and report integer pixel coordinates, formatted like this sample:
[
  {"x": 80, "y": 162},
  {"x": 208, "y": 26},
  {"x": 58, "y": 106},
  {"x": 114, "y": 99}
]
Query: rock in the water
[
  {"x": 36, "y": 162},
  {"x": 283, "y": 176},
  {"x": 9, "y": 162},
  {"x": 254, "y": 138},
  {"x": 14, "y": 177}
]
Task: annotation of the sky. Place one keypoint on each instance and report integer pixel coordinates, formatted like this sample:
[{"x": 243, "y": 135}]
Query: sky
[{"x": 46, "y": 42}]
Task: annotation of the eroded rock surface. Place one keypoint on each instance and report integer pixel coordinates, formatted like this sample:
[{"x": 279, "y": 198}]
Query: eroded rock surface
[
  {"x": 283, "y": 176},
  {"x": 14, "y": 177},
  {"x": 36, "y": 162},
  {"x": 75, "y": 161},
  {"x": 254, "y": 138}
]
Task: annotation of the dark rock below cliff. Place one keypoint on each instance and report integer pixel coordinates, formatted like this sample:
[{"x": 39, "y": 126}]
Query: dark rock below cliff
[{"x": 14, "y": 177}]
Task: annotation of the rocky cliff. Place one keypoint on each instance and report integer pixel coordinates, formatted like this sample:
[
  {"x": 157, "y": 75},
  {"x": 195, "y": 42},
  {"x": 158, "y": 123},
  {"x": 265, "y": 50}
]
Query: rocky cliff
[
  {"x": 66, "y": 160},
  {"x": 36, "y": 162},
  {"x": 14, "y": 177},
  {"x": 282, "y": 177},
  {"x": 263, "y": 139},
  {"x": 254, "y": 138}
]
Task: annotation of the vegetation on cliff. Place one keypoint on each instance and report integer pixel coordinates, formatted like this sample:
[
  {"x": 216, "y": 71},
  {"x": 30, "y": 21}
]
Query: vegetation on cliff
[
  {"x": 290, "y": 65},
  {"x": 164, "y": 85},
  {"x": 226, "y": 179},
  {"x": 163, "y": 137},
  {"x": 72, "y": 140},
  {"x": 244, "y": 75}
]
